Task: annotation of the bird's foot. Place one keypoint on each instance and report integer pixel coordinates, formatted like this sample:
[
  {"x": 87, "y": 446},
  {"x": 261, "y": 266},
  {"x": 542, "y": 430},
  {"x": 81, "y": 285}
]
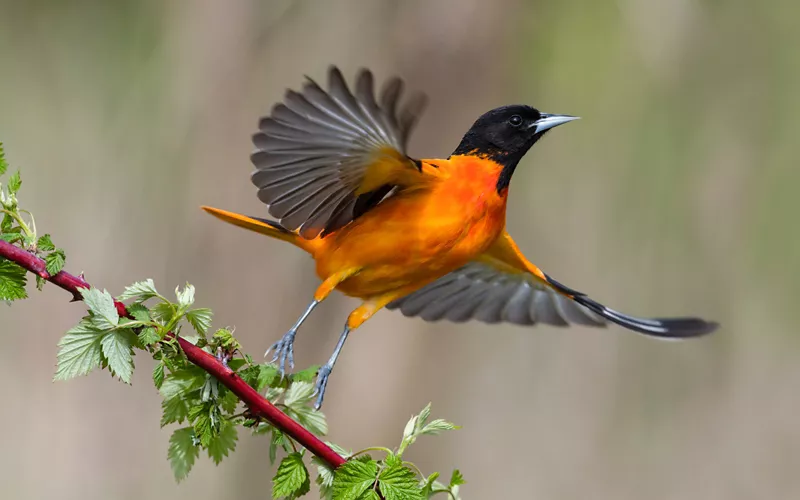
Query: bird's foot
[
  {"x": 322, "y": 382},
  {"x": 284, "y": 349}
]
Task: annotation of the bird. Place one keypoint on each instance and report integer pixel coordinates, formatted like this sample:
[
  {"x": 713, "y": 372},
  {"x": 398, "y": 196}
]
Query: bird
[{"x": 426, "y": 237}]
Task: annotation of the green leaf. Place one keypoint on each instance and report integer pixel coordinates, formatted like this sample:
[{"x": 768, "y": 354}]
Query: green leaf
[
  {"x": 309, "y": 418},
  {"x": 224, "y": 442},
  {"x": 427, "y": 487},
  {"x": 457, "y": 478},
  {"x": 291, "y": 480},
  {"x": 306, "y": 375},
  {"x": 437, "y": 426},
  {"x": 397, "y": 482},
  {"x": 174, "y": 410},
  {"x": 298, "y": 394},
  {"x": 139, "y": 312},
  {"x": 118, "y": 350},
  {"x": 224, "y": 338},
  {"x": 200, "y": 319},
  {"x": 206, "y": 420},
  {"x": 3, "y": 163},
  {"x": 14, "y": 183},
  {"x": 40, "y": 283},
  {"x": 181, "y": 382},
  {"x": 182, "y": 452},
  {"x": 54, "y": 262},
  {"x": 149, "y": 336},
  {"x": 229, "y": 401},
  {"x": 162, "y": 312},
  {"x": 158, "y": 375},
  {"x": 277, "y": 439},
  {"x": 80, "y": 351},
  {"x": 185, "y": 296},
  {"x": 11, "y": 237},
  {"x": 12, "y": 281},
  {"x": 325, "y": 477},
  {"x": 259, "y": 376},
  {"x": 354, "y": 478},
  {"x": 45, "y": 244},
  {"x": 141, "y": 291},
  {"x": 101, "y": 304}
]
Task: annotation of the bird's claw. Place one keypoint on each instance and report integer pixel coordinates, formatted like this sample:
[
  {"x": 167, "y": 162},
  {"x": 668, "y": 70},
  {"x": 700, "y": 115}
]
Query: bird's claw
[
  {"x": 322, "y": 381},
  {"x": 284, "y": 349}
]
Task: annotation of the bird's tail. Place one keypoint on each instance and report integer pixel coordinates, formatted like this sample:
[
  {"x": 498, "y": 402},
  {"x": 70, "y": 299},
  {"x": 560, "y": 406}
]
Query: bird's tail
[
  {"x": 261, "y": 226},
  {"x": 671, "y": 328}
]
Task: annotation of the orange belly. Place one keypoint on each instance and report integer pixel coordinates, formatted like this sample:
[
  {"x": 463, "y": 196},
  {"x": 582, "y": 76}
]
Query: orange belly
[{"x": 410, "y": 240}]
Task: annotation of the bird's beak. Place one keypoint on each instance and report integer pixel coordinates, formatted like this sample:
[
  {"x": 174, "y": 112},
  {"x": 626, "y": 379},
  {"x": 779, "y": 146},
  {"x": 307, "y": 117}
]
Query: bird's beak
[{"x": 548, "y": 121}]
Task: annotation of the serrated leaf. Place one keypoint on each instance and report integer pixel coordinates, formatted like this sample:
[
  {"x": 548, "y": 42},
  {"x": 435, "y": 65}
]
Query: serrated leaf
[
  {"x": 424, "y": 415},
  {"x": 162, "y": 312},
  {"x": 206, "y": 420},
  {"x": 200, "y": 319},
  {"x": 224, "y": 338},
  {"x": 340, "y": 450},
  {"x": 45, "y": 244},
  {"x": 291, "y": 480},
  {"x": 158, "y": 375},
  {"x": 14, "y": 183},
  {"x": 174, "y": 410},
  {"x": 266, "y": 376},
  {"x": 139, "y": 312},
  {"x": 397, "y": 482},
  {"x": 354, "y": 478},
  {"x": 437, "y": 426},
  {"x": 141, "y": 291},
  {"x": 185, "y": 296},
  {"x": 149, "y": 336},
  {"x": 79, "y": 351},
  {"x": 12, "y": 281},
  {"x": 392, "y": 460},
  {"x": 309, "y": 418},
  {"x": 101, "y": 304},
  {"x": 457, "y": 478},
  {"x": 11, "y": 237},
  {"x": 181, "y": 382},
  {"x": 223, "y": 443},
  {"x": 306, "y": 375},
  {"x": 118, "y": 351},
  {"x": 236, "y": 363},
  {"x": 298, "y": 394},
  {"x": 40, "y": 283},
  {"x": 182, "y": 452},
  {"x": 325, "y": 472},
  {"x": 54, "y": 262},
  {"x": 229, "y": 401}
]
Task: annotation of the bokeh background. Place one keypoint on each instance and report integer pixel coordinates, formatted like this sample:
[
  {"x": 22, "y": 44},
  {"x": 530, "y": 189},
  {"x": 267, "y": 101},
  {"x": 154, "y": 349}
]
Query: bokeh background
[{"x": 674, "y": 195}]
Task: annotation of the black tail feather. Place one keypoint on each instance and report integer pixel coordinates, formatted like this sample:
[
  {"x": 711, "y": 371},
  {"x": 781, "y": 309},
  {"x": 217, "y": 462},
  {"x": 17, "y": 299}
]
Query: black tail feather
[{"x": 675, "y": 328}]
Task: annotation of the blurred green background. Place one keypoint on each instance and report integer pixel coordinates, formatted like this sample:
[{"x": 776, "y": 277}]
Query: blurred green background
[{"x": 674, "y": 195}]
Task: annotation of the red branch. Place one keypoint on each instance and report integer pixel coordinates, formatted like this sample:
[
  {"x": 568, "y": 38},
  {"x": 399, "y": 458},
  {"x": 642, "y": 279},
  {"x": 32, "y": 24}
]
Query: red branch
[{"x": 257, "y": 404}]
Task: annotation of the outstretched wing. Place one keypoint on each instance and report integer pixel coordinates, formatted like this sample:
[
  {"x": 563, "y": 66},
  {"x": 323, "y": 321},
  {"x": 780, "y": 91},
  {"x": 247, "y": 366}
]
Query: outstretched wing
[
  {"x": 323, "y": 158},
  {"x": 481, "y": 291},
  {"x": 502, "y": 285}
]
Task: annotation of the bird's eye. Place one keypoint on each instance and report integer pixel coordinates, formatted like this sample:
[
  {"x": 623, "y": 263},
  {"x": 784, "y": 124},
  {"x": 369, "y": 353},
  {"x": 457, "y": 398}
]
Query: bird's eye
[{"x": 515, "y": 121}]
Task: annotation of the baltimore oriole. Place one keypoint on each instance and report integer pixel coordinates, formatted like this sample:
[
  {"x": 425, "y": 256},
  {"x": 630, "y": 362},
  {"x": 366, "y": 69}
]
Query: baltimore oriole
[{"x": 426, "y": 237}]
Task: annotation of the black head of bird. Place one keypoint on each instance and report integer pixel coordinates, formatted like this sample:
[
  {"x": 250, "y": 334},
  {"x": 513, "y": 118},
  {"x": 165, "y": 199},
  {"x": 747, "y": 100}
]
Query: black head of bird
[{"x": 506, "y": 133}]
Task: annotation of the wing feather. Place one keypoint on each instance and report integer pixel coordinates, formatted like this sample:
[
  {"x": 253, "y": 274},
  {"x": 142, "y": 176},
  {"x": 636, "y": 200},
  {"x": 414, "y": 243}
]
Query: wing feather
[{"x": 315, "y": 151}]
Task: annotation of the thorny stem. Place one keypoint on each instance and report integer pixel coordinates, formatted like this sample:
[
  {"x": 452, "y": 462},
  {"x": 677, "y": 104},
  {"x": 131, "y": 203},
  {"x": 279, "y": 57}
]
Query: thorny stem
[{"x": 258, "y": 405}]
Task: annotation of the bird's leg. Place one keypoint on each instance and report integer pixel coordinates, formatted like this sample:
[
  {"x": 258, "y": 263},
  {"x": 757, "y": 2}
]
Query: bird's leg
[
  {"x": 354, "y": 320},
  {"x": 284, "y": 348},
  {"x": 326, "y": 369}
]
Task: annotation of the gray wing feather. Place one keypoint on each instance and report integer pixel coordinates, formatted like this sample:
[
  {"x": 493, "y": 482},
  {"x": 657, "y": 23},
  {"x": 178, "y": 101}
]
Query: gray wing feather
[
  {"x": 313, "y": 150},
  {"x": 479, "y": 291}
]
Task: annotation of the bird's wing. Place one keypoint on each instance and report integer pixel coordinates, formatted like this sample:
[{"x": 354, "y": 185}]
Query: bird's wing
[
  {"x": 324, "y": 157},
  {"x": 502, "y": 285}
]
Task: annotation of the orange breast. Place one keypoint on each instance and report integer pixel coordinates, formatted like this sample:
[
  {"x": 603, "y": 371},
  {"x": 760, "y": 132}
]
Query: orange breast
[{"x": 421, "y": 234}]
